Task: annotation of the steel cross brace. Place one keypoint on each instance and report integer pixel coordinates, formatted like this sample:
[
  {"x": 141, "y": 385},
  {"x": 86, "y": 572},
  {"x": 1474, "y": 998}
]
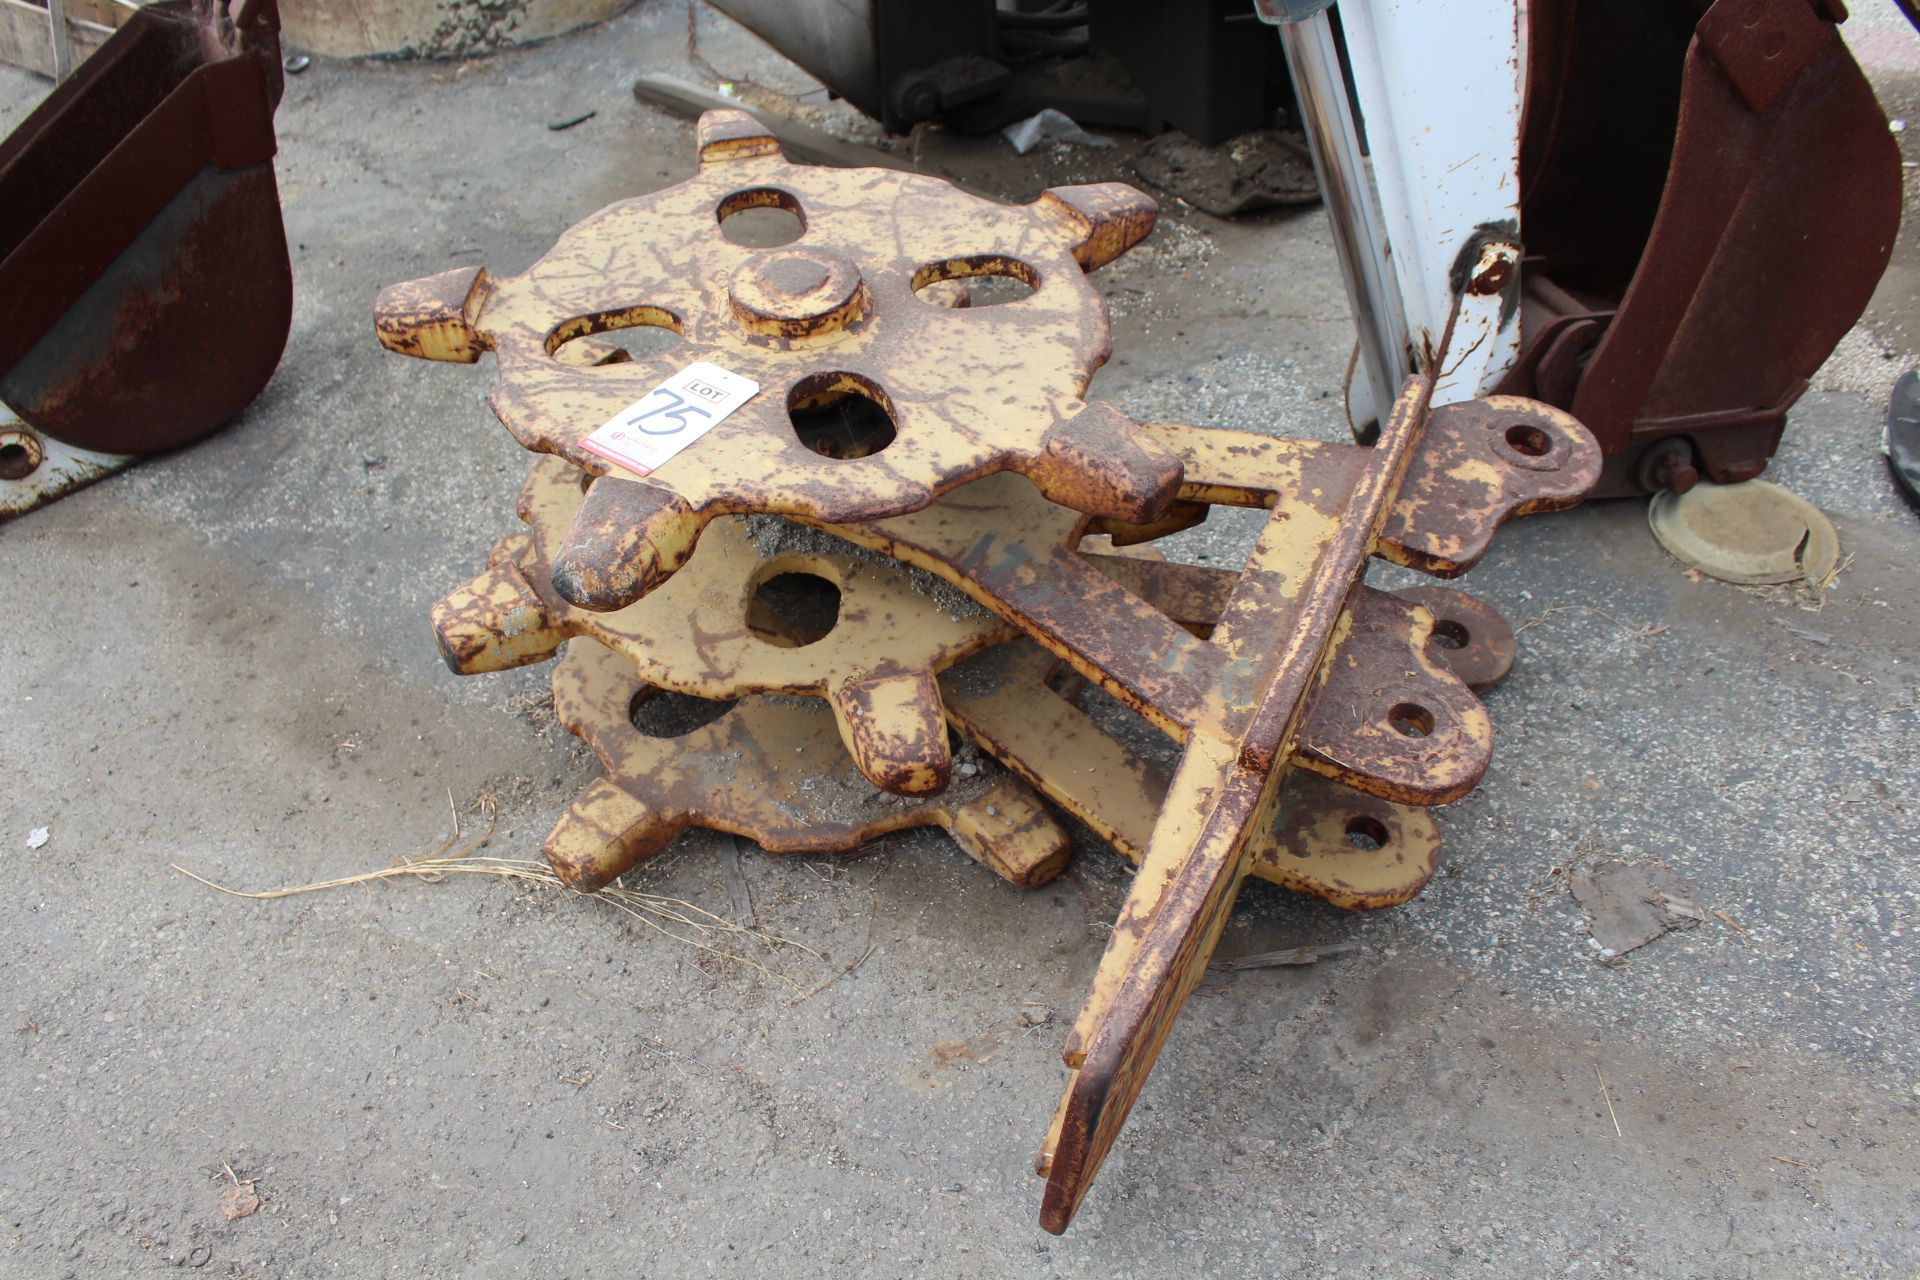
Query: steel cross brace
[{"x": 1327, "y": 840}]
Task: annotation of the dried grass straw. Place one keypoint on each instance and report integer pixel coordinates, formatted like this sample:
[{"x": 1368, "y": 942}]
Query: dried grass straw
[{"x": 652, "y": 910}]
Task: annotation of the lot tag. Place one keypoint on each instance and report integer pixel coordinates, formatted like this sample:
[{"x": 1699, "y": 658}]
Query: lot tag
[{"x": 642, "y": 436}]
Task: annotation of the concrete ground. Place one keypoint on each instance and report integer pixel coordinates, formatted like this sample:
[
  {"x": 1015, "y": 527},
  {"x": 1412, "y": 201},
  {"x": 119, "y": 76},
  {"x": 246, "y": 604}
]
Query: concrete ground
[{"x": 220, "y": 660}]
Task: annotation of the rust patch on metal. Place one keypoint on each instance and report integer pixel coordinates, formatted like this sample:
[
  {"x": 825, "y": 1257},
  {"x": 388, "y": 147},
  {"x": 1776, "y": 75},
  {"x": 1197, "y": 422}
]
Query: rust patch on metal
[
  {"x": 1486, "y": 461},
  {"x": 20, "y": 454},
  {"x": 1388, "y": 711},
  {"x": 1192, "y": 595},
  {"x": 1101, "y": 221},
  {"x": 732, "y": 135},
  {"x": 1098, "y": 461},
  {"x": 627, "y": 539},
  {"x": 1494, "y": 270},
  {"x": 432, "y": 319}
]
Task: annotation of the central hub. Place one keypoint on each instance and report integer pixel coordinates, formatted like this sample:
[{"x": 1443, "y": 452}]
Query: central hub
[{"x": 797, "y": 292}]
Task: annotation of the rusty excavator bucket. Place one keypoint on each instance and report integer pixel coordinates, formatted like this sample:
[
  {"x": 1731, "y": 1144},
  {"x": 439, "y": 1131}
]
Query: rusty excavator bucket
[{"x": 145, "y": 291}]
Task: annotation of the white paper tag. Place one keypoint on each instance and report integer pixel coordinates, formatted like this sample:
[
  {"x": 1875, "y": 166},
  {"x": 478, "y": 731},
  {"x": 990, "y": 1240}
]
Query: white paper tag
[{"x": 642, "y": 436}]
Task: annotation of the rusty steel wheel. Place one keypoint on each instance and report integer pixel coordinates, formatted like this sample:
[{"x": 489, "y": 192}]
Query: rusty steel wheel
[{"x": 876, "y": 392}]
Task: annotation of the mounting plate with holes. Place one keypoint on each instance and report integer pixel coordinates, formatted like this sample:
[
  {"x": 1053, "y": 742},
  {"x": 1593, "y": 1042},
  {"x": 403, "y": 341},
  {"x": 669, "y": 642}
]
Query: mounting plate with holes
[
  {"x": 1470, "y": 637},
  {"x": 763, "y": 607},
  {"x": 767, "y": 769},
  {"x": 35, "y": 469},
  {"x": 1125, "y": 623},
  {"x": 943, "y": 393}
]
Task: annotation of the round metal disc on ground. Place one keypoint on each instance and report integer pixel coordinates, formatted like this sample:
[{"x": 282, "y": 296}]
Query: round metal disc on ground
[{"x": 1754, "y": 534}]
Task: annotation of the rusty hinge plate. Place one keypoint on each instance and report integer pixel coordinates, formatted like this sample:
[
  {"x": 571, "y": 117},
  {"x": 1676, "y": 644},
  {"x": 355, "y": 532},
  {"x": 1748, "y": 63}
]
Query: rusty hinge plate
[
  {"x": 1296, "y": 631},
  {"x": 35, "y": 469},
  {"x": 1430, "y": 493}
]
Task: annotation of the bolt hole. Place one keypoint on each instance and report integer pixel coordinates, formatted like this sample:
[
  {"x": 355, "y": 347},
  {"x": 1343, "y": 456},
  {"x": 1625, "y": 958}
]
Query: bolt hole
[
  {"x": 631, "y": 333},
  {"x": 1364, "y": 831},
  {"x": 1410, "y": 719},
  {"x": 985, "y": 280},
  {"x": 1529, "y": 440},
  {"x": 841, "y": 415},
  {"x": 1449, "y": 634},
  {"x": 18, "y": 459},
  {"x": 661, "y": 713},
  {"x": 949, "y": 295},
  {"x": 762, "y": 218},
  {"x": 641, "y": 342},
  {"x": 794, "y": 610}
]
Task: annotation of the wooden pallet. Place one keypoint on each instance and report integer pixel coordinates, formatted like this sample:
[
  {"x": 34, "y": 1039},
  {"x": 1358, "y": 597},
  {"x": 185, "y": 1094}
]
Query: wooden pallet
[{"x": 52, "y": 37}]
